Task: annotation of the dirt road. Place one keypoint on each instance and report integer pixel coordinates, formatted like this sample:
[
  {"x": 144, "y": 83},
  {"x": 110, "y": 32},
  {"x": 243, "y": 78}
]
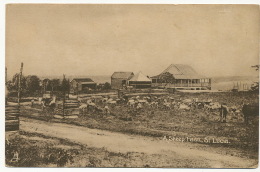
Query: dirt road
[{"x": 123, "y": 143}]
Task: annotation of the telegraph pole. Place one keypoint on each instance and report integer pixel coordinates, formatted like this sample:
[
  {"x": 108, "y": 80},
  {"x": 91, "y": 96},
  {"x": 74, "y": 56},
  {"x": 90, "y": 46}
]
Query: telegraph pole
[{"x": 19, "y": 84}]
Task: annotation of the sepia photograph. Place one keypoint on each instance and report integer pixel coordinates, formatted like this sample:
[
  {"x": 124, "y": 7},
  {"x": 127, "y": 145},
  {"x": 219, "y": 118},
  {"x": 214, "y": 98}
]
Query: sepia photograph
[{"x": 132, "y": 85}]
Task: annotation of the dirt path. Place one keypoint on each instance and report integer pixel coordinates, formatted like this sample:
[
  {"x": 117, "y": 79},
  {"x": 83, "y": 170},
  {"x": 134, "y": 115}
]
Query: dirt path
[{"x": 118, "y": 142}]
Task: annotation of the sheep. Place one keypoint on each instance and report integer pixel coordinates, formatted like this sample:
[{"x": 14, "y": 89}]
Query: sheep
[
  {"x": 167, "y": 105},
  {"x": 215, "y": 106},
  {"x": 107, "y": 112},
  {"x": 83, "y": 107},
  {"x": 195, "y": 100},
  {"x": 142, "y": 101},
  {"x": 184, "y": 107},
  {"x": 212, "y": 106},
  {"x": 131, "y": 103},
  {"x": 187, "y": 101},
  {"x": 112, "y": 102},
  {"x": 154, "y": 104},
  {"x": 139, "y": 106},
  {"x": 104, "y": 100},
  {"x": 53, "y": 101}
]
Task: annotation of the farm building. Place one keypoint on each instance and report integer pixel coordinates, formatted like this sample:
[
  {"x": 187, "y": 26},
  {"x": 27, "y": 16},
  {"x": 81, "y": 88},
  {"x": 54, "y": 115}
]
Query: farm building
[
  {"x": 119, "y": 79},
  {"x": 181, "y": 76},
  {"x": 81, "y": 84},
  {"x": 140, "y": 81}
]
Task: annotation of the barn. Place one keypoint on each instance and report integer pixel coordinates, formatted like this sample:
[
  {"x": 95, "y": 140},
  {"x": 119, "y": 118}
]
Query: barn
[
  {"x": 140, "y": 81},
  {"x": 119, "y": 79},
  {"x": 81, "y": 84},
  {"x": 181, "y": 76}
]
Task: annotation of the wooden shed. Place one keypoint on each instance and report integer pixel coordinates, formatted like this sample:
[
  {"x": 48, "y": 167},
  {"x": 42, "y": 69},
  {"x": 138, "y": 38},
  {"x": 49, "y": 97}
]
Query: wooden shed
[
  {"x": 81, "y": 84},
  {"x": 119, "y": 79}
]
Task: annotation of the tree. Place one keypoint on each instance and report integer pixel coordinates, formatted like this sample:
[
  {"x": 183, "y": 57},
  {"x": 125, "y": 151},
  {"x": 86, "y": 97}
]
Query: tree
[
  {"x": 13, "y": 84},
  {"x": 65, "y": 84},
  {"x": 46, "y": 84},
  {"x": 9, "y": 85},
  {"x": 32, "y": 83},
  {"x": 166, "y": 77},
  {"x": 107, "y": 86},
  {"x": 55, "y": 84}
]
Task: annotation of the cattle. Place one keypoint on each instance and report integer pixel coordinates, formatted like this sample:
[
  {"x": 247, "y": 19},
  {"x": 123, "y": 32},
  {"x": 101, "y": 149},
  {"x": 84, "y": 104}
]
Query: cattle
[{"x": 250, "y": 110}]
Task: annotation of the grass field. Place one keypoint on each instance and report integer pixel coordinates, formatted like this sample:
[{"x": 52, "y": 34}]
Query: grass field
[{"x": 197, "y": 123}]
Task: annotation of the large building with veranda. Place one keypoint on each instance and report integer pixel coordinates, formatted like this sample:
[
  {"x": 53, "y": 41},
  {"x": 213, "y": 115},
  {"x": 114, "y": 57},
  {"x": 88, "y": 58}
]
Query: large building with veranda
[{"x": 181, "y": 76}]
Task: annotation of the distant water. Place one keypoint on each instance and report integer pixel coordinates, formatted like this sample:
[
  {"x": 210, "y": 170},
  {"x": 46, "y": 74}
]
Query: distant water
[{"x": 228, "y": 83}]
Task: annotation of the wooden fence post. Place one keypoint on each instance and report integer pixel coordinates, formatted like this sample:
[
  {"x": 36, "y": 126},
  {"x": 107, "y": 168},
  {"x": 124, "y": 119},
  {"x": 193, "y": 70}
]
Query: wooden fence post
[{"x": 64, "y": 95}]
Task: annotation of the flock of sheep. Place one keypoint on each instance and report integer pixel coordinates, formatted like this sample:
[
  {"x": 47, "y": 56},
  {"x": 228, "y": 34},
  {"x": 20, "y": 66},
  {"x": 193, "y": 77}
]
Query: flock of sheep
[{"x": 138, "y": 104}]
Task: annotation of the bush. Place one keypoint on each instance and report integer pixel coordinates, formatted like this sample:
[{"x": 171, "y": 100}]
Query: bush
[{"x": 107, "y": 86}]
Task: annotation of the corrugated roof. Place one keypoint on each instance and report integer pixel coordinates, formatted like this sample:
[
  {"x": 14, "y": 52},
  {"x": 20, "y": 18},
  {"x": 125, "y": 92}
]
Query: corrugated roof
[
  {"x": 140, "y": 77},
  {"x": 122, "y": 75},
  {"x": 83, "y": 80},
  {"x": 181, "y": 71}
]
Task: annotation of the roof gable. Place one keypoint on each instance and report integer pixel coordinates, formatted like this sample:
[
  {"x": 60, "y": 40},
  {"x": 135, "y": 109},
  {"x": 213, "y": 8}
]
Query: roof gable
[
  {"x": 140, "y": 77},
  {"x": 122, "y": 75},
  {"x": 181, "y": 71}
]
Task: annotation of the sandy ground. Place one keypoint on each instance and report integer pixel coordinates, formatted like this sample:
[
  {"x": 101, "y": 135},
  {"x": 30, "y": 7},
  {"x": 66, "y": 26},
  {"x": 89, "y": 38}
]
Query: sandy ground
[{"x": 117, "y": 142}]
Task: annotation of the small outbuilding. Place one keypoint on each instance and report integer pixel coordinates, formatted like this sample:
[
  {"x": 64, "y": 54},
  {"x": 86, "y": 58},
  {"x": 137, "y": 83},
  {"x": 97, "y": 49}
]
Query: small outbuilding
[
  {"x": 119, "y": 79},
  {"x": 81, "y": 84},
  {"x": 140, "y": 81}
]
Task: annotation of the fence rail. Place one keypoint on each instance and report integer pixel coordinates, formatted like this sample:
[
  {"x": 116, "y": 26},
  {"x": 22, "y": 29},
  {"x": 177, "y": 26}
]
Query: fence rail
[
  {"x": 12, "y": 114},
  {"x": 71, "y": 107},
  {"x": 181, "y": 85}
]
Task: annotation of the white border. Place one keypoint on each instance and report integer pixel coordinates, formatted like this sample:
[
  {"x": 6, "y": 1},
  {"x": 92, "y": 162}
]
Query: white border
[
  {"x": 2, "y": 68},
  {"x": 136, "y": 1}
]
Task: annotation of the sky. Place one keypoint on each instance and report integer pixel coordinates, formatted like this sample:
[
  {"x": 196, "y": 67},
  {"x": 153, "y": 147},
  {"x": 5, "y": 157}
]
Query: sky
[{"x": 216, "y": 40}]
